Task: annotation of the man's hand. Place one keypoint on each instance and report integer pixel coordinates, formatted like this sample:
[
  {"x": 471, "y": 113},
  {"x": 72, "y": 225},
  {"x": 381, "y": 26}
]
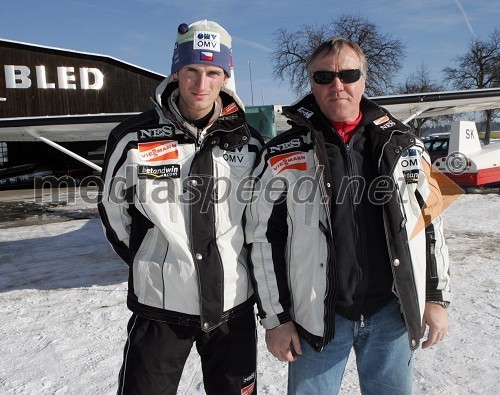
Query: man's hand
[
  {"x": 283, "y": 342},
  {"x": 436, "y": 317}
]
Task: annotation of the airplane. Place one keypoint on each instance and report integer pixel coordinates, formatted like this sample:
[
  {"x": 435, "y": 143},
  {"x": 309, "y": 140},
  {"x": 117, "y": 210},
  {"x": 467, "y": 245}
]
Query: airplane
[
  {"x": 467, "y": 163},
  {"x": 71, "y": 100}
]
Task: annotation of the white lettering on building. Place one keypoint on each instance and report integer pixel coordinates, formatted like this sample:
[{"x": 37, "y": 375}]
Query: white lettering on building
[{"x": 19, "y": 77}]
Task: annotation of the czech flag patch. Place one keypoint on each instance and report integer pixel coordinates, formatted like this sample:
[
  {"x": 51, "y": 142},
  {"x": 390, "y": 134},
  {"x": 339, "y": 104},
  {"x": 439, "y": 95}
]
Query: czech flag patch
[{"x": 208, "y": 56}]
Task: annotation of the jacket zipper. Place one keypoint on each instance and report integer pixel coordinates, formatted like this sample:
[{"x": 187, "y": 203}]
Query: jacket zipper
[
  {"x": 391, "y": 257},
  {"x": 329, "y": 326}
]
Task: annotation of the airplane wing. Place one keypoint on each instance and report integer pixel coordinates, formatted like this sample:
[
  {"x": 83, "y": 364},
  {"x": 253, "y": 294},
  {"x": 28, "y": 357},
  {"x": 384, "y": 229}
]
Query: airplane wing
[
  {"x": 423, "y": 105},
  {"x": 66, "y": 128}
]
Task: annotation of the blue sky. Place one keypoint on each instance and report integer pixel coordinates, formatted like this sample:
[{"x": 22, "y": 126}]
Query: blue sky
[{"x": 142, "y": 32}]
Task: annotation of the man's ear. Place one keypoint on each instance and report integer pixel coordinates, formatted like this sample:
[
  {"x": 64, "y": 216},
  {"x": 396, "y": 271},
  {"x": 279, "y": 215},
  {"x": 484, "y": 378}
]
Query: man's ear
[{"x": 175, "y": 75}]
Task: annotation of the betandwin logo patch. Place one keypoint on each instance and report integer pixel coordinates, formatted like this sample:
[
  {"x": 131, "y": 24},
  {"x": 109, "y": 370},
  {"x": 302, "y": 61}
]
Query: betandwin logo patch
[
  {"x": 295, "y": 160},
  {"x": 156, "y": 172}
]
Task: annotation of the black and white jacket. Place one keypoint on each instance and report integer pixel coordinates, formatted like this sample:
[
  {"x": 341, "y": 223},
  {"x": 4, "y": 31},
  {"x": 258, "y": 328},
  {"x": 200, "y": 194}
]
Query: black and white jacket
[
  {"x": 291, "y": 238},
  {"x": 171, "y": 210}
]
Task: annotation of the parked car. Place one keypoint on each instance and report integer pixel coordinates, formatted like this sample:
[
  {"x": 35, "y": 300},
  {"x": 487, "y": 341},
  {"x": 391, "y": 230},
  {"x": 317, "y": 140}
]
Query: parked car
[{"x": 437, "y": 146}]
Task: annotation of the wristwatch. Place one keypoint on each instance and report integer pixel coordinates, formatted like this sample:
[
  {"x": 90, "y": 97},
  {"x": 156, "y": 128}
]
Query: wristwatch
[{"x": 441, "y": 303}]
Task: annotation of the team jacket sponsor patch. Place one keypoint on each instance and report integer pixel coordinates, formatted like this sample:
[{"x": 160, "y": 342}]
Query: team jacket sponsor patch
[
  {"x": 165, "y": 171},
  {"x": 229, "y": 109},
  {"x": 295, "y": 160},
  {"x": 381, "y": 120},
  {"x": 163, "y": 131},
  {"x": 248, "y": 390},
  {"x": 237, "y": 157},
  {"x": 305, "y": 112},
  {"x": 158, "y": 150},
  {"x": 410, "y": 162},
  {"x": 384, "y": 122},
  {"x": 248, "y": 385},
  {"x": 291, "y": 144}
]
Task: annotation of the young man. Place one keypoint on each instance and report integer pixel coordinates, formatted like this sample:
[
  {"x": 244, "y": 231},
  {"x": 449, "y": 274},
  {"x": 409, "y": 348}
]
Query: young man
[
  {"x": 170, "y": 211},
  {"x": 340, "y": 255}
]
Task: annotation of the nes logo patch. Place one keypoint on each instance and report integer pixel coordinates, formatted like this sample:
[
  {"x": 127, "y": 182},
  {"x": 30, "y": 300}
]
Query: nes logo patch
[
  {"x": 164, "y": 131},
  {"x": 155, "y": 172},
  {"x": 158, "y": 150},
  {"x": 206, "y": 40},
  {"x": 290, "y": 161}
]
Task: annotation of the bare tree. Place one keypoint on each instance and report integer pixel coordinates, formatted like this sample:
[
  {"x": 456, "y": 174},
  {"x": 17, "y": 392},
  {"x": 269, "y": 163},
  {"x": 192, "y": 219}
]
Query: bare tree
[
  {"x": 383, "y": 52},
  {"x": 420, "y": 81},
  {"x": 479, "y": 68}
]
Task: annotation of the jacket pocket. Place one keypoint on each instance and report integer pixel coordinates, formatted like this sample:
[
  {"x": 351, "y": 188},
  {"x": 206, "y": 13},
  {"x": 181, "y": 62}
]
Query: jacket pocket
[
  {"x": 308, "y": 276},
  {"x": 148, "y": 269}
]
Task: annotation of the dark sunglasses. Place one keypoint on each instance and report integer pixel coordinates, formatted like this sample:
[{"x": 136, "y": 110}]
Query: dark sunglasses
[{"x": 346, "y": 76}]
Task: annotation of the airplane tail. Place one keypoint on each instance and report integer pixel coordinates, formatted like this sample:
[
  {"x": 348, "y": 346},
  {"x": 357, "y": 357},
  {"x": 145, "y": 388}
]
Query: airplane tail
[{"x": 464, "y": 138}]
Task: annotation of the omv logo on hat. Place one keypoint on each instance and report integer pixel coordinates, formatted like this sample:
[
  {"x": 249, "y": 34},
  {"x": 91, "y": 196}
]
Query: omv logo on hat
[{"x": 207, "y": 40}]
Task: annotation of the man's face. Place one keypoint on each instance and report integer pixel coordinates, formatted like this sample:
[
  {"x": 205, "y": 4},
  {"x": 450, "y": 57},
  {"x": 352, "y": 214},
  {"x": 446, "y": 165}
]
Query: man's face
[
  {"x": 199, "y": 87},
  {"x": 338, "y": 101}
]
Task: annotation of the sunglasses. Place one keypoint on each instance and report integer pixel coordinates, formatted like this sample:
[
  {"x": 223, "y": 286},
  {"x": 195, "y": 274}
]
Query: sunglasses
[{"x": 346, "y": 76}]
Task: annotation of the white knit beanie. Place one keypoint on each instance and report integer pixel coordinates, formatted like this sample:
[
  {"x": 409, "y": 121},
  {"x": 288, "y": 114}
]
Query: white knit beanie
[{"x": 204, "y": 42}]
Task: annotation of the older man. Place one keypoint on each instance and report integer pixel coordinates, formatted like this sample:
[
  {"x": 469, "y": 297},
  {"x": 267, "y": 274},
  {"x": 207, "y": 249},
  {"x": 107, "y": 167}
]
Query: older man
[{"x": 346, "y": 246}]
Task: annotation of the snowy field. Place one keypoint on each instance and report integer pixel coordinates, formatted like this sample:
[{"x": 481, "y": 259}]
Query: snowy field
[{"x": 63, "y": 314}]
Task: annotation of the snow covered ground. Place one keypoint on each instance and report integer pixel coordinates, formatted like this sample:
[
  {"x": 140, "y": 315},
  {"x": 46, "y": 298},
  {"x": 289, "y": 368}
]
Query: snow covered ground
[{"x": 63, "y": 313}]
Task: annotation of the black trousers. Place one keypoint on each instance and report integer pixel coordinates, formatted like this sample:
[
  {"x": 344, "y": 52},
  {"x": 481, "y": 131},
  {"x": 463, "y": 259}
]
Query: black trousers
[{"x": 155, "y": 354}]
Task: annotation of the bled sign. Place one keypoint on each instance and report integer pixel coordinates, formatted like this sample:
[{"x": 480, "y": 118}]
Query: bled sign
[
  {"x": 207, "y": 40},
  {"x": 22, "y": 77}
]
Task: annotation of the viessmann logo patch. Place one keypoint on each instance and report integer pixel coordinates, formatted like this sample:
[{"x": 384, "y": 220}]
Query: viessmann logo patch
[
  {"x": 295, "y": 160},
  {"x": 158, "y": 150}
]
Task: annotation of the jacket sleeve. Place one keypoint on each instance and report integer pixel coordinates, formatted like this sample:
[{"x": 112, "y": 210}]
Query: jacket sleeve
[
  {"x": 115, "y": 195},
  {"x": 437, "y": 259},
  {"x": 267, "y": 232}
]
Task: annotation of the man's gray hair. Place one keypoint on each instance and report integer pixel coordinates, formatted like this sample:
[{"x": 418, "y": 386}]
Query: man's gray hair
[{"x": 334, "y": 46}]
